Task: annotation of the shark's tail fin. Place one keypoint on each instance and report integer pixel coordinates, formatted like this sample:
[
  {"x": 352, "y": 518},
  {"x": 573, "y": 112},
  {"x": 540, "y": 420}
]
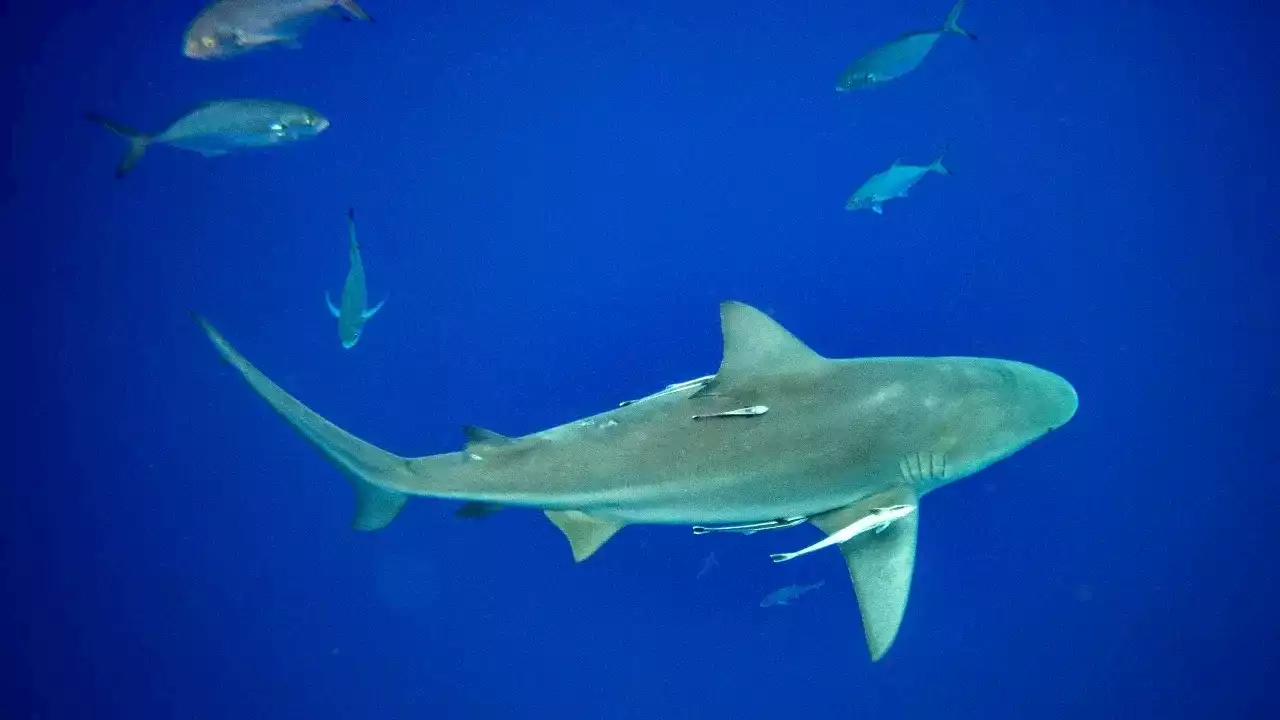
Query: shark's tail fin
[
  {"x": 138, "y": 141},
  {"x": 953, "y": 22},
  {"x": 370, "y": 470}
]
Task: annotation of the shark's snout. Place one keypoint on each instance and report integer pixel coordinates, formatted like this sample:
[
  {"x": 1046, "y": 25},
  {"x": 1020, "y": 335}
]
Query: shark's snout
[{"x": 1060, "y": 399}]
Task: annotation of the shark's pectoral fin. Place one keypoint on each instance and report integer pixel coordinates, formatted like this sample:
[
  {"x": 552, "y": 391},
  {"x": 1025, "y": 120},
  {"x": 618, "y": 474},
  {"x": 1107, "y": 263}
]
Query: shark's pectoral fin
[
  {"x": 585, "y": 533},
  {"x": 879, "y": 563},
  {"x": 333, "y": 309}
]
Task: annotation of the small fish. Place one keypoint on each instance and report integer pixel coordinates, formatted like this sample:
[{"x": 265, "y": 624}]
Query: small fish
[
  {"x": 219, "y": 127},
  {"x": 895, "y": 59},
  {"x": 878, "y": 519},
  {"x": 708, "y": 563},
  {"x": 789, "y": 594},
  {"x": 228, "y": 28},
  {"x": 354, "y": 312},
  {"x": 891, "y": 184}
]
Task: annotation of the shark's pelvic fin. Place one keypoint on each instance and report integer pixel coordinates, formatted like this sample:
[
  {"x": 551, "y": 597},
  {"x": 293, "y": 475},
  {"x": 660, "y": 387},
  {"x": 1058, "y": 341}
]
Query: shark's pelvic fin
[
  {"x": 755, "y": 344},
  {"x": 585, "y": 533},
  {"x": 879, "y": 563}
]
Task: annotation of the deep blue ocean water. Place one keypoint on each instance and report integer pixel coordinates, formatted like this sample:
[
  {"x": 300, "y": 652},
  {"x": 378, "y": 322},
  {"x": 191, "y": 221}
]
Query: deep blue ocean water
[{"x": 556, "y": 196}]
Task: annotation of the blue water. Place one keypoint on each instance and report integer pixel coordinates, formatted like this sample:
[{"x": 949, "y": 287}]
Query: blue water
[{"x": 556, "y": 195}]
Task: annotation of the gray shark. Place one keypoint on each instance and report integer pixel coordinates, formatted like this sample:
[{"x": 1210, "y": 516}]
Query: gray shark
[
  {"x": 353, "y": 312},
  {"x": 778, "y": 432}
]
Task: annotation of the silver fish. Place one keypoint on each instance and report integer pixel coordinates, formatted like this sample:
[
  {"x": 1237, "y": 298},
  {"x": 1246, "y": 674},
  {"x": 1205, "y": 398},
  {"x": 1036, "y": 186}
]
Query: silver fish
[
  {"x": 220, "y": 127},
  {"x": 353, "y": 311},
  {"x": 789, "y": 594},
  {"x": 891, "y": 184},
  {"x": 895, "y": 59},
  {"x": 228, "y": 28}
]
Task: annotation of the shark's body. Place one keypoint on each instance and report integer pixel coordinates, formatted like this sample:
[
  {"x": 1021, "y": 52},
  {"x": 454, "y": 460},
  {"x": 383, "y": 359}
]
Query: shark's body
[
  {"x": 353, "y": 310},
  {"x": 828, "y": 440}
]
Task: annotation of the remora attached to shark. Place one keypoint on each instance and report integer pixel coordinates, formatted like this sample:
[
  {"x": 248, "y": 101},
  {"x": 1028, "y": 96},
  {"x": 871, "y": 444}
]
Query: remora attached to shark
[{"x": 778, "y": 432}]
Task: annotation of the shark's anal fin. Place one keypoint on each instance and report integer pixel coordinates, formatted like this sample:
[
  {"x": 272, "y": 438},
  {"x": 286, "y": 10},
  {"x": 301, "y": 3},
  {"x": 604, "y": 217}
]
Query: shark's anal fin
[
  {"x": 880, "y": 564},
  {"x": 585, "y": 533}
]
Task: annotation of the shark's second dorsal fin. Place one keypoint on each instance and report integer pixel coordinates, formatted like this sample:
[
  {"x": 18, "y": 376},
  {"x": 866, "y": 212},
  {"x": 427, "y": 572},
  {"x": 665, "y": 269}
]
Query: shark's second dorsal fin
[
  {"x": 879, "y": 563},
  {"x": 585, "y": 533},
  {"x": 479, "y": 438},
  {"x": 755, "y": 344}
]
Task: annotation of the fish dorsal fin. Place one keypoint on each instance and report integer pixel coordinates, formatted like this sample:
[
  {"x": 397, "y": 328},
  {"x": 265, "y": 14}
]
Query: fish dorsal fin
[
  {"x": 879, "y": 563},
  {"x": 755, "y": 344},
  {"x": 479, "y": 438},
  {"x": 585, "y": 533}
]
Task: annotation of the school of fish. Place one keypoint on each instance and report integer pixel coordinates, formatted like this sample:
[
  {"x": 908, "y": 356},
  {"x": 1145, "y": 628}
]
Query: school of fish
[{"x": 228, "y": 29}]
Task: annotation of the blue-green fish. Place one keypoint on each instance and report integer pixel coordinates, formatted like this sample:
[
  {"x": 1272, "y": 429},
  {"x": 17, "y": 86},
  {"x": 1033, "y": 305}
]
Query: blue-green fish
[
  {"x": 353, "y": 311},
  {"x": 227, "y": 28},
  {"x": 893, "y": 60},
  {"x": 219, "y": 127},
  {"x": 789, "y": 594},
  {"x": 891, "y": 184}
]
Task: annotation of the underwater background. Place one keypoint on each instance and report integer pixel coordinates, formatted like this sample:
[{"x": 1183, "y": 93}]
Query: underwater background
[{"x": 555, "y": 196}]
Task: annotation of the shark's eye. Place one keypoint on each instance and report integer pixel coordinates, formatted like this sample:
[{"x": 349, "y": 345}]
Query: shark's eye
[{"x": 208, "y": 42}]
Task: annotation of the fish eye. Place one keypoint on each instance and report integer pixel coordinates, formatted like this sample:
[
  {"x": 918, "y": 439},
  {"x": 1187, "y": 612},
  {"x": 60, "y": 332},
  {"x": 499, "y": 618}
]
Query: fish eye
[{"x": 208, "y": 42}]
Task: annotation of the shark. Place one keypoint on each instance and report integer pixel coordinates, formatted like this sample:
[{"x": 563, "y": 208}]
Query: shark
[
  {"x": 778, "y": 433},
  {"x": 353, "y": 310}
]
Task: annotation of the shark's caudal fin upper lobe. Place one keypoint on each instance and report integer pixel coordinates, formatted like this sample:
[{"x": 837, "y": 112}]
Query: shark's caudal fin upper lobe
[{"x": 376, "y": 506}]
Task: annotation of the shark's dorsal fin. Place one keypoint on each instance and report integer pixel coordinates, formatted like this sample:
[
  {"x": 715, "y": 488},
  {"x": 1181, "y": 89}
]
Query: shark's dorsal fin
[
  {"x": 480, "y": 438},
  {"x": 585, "y": 533},
  {"x": 879, "y": 563},
  {"x": 755, "y": 344}
]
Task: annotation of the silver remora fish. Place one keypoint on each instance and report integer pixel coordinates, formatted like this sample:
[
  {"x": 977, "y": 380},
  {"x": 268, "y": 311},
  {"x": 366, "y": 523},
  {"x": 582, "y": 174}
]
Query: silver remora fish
[
  {"x": 893, "y": 60},
  {"x": 891, "y": 184},
  {"x": 353, "y": 312},
  {"x": 219, "y": 127},
  {"x": 228, "y": 28}
]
